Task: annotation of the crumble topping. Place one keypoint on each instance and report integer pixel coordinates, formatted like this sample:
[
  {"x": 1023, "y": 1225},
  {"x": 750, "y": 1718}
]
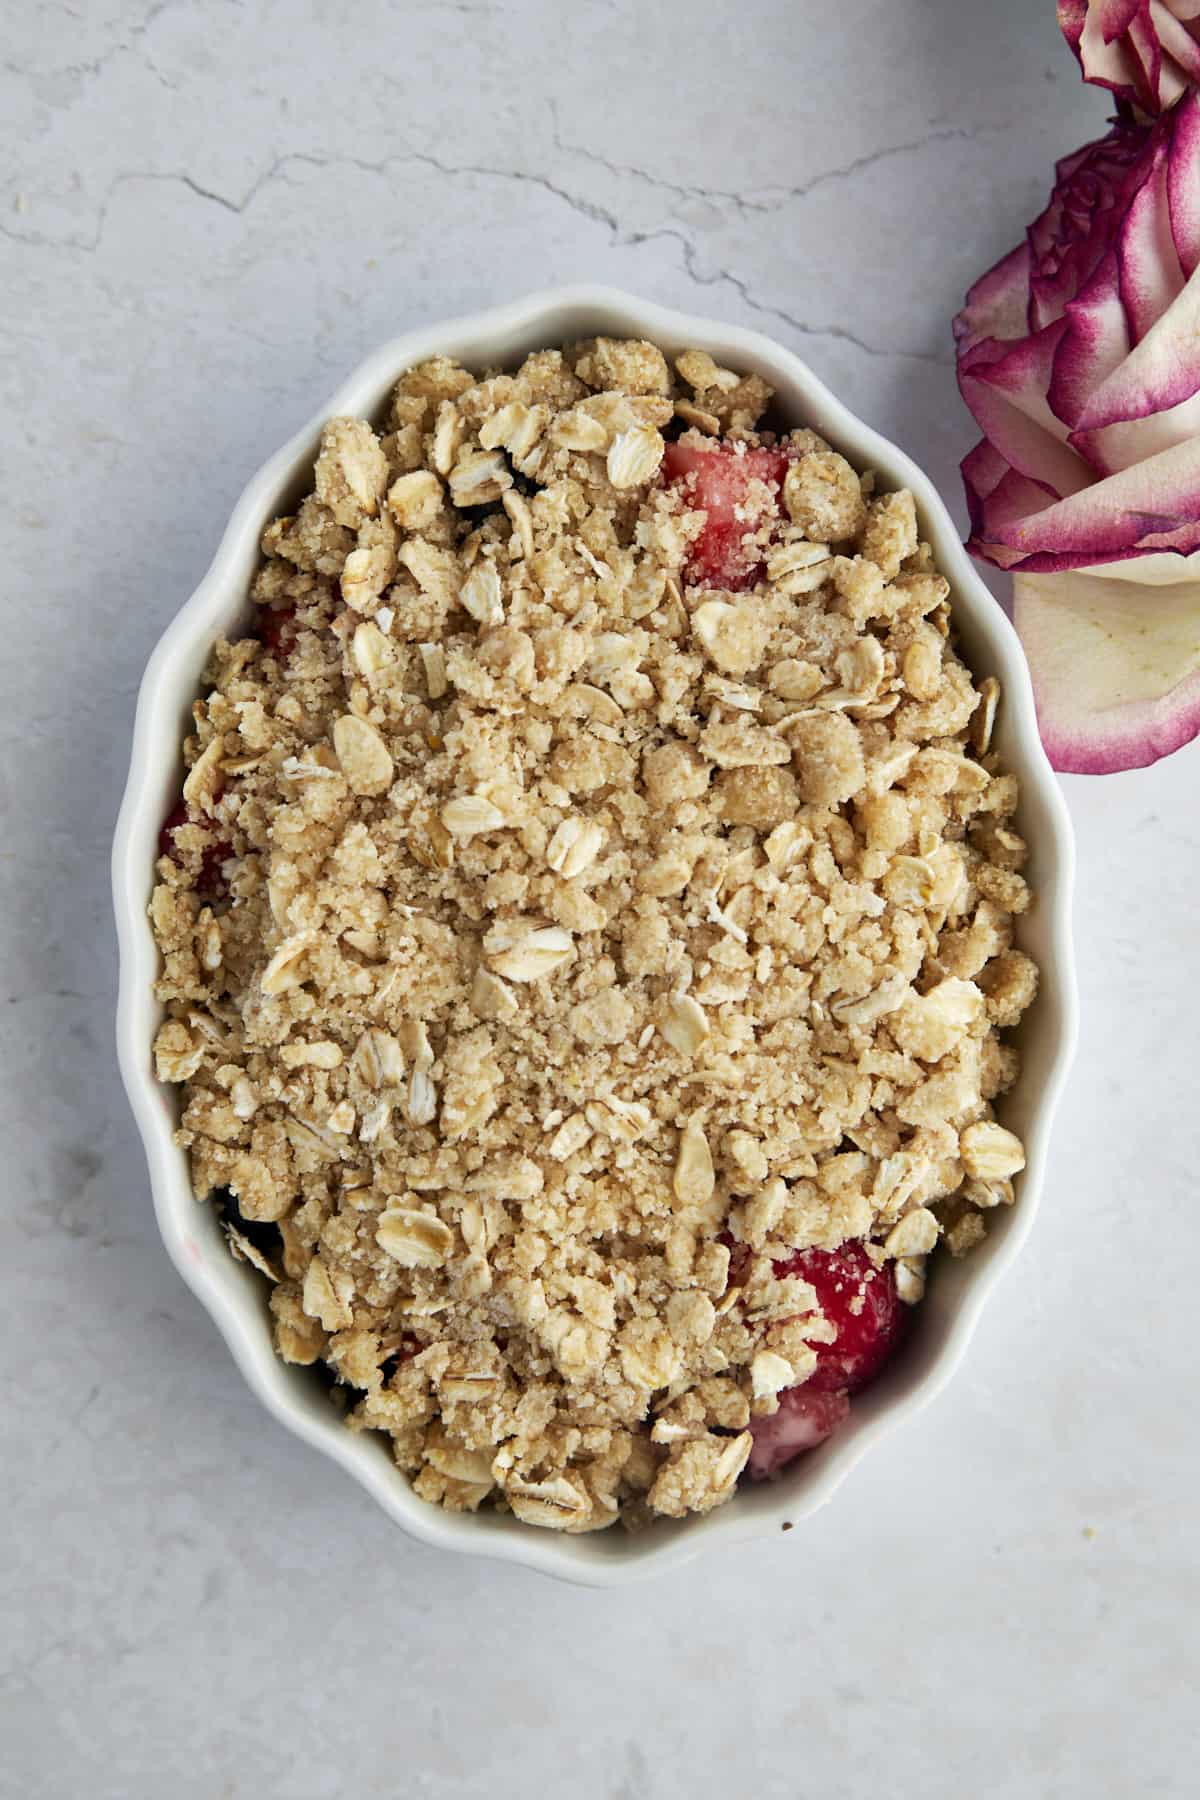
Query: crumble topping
[{"x": 554, "y": 944}]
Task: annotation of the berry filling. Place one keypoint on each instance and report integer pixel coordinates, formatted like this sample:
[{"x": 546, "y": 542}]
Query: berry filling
[
  {"x": 738, "y": 491},
  {"x": 277, "y": 630},
  {"x": 211, "y": 883},
  {"x": 861, "y": 1303},
  {"x": 803, "y": 1421}
]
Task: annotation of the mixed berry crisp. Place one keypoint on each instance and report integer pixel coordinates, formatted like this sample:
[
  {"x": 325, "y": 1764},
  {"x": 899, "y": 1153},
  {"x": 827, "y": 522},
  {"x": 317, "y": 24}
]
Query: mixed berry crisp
[{"x": 587, "y": 933}]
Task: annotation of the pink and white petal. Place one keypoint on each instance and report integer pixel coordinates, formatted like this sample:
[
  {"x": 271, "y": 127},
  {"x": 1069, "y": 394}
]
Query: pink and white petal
[
  {"x": 1005, "y": 388},
  {"x": 1064, "y": 266},
  {"x": 1155, "y": 497},
  {"x": 1157, "y": 75},
  {"x": 1071, "y": 17},
  {"x": 997, "y": 499},
  {"x": 1177, "y": 41},
  {"x": 997, "y": 306},
  {"x": 1112, "y": 447},
  {"x": 1112, "y": 17},
  {"x": 987, "y": 479},
  {"x": 1160, "y": 372},
  {"x": 1171, "y": 83},
  {"x": 1180, "y": 51},
  {"x": 1104, "y": 52},
  {"x": 1150, "y": 275},
  {"x": 1181, "y": 544},
  {"x": 983, "y": 469},
  {"x": 1020, "y": 368},
  {"x": 1183, "y": 180},
  {"x": 1071, "y": 237},
  {"x": 1096, "y": 343},
  {"x": 1115, "y": 666},
  {"x": 1029, "y": 448},
  {"x": 1108, "y": 20}
]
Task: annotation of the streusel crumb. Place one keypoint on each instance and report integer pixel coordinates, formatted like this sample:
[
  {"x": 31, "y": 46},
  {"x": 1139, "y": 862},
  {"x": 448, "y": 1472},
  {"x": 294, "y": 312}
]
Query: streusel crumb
[{"x": 558, "y": 938}]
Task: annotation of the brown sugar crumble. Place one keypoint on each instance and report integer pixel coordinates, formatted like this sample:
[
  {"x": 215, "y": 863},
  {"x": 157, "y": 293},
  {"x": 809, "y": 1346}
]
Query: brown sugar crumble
[{"x": 544, "y": 927}]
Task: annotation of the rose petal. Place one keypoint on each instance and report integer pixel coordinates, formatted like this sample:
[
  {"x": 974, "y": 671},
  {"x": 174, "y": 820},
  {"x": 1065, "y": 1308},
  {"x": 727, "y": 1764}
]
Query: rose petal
[
  {"x": 1141, "y": 49},
  {"x": 1183, "y": 190},
  {"x": 983, "y": 469},
  {"x": 1072, "y": 15},
  {"x": 1152, "y": 501},
  {"x": 1181, "y": 58},
  {"x": 1115, "y": 666},
  {"x": 1112, "y": 17},
  {"x": 1176, "y": 40},
  {"x": 1150, "y": 275},
  {"x": 998, "y": 498},
  {"x": 1119, "y": 446},
  {"x": 1157, "y": 80},
  {"x": 998, "y": 304},
  {"x": 1074, "y": 234},
  {"x": 1116, "y": 359},
  {"x": 1161, "y": 371},
  {"x": 1096, "y": 344},
  {"x": 1105, "y": 55},
  {"x": 1005, "y": 387}
]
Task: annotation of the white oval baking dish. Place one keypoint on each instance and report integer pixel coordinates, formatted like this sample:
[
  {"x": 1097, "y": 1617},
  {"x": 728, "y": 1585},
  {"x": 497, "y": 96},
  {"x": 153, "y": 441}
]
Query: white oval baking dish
[{"x": 235, "y": 1296}]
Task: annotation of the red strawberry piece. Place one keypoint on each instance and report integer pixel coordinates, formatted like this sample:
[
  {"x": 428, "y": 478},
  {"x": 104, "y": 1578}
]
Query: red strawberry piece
[
  {"x": 862, "y": 1302},
  {"x": 277, "y": 630},
  {"x": 804, "y": 1420},
  {"x": 211, "y": 883},
  {"x": 717, "y": 481}
]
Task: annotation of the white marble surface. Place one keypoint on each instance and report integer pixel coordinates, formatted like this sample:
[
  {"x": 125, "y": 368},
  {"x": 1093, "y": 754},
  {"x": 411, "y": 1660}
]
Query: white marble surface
[{"x": 209, "y": 212}]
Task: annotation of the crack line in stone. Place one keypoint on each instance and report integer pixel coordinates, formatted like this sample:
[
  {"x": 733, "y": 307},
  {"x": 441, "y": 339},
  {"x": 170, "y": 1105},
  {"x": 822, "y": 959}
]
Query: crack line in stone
[{"x": 587, "y": 209}]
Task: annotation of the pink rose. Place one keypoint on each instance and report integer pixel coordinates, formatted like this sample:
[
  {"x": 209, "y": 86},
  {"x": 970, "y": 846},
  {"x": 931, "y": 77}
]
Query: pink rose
[
  {"x": 1079, "y": 355},
  {"x": 1146, "y": 51}
]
